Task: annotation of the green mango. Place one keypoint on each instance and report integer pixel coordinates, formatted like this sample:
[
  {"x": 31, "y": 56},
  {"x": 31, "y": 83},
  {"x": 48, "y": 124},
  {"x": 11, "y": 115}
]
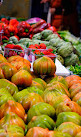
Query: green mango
[
  {"x": 40, "y": 109},
  {"x": 43, "y": 121},
  {"x": 11, "y": 87},
  {"x": 68, "y": 117}
]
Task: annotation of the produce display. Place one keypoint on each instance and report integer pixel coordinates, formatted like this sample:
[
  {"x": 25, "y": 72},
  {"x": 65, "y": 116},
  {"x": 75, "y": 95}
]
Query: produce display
[{"x": 38, "y": 103}]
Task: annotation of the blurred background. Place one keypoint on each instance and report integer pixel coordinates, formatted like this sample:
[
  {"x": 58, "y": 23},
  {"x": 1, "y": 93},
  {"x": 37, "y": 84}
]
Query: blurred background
[{"x": 64, "y": 14}]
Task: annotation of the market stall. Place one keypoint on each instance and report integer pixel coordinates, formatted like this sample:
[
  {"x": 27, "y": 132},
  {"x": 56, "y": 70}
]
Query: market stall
[{"x": 39, "y": 93}]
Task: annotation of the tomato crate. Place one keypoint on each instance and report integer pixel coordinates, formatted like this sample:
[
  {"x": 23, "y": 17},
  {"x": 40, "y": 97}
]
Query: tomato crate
[{"x": 33, "y": 54}]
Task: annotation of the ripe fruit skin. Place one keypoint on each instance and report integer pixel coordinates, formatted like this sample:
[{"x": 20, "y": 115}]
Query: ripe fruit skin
[
  {"x": 22, "y": 78},
  {"x": 12, "y": 106},
  {"x": 43, "y": 121},
  {"x": 37, "y": 132},
  {"x": 8, "y": 70},
  {"x": 11, "y": 87},
  {"x": 40, "y": 109},
  {"x": 12, "y": 119},
  {"x": 44, "y": 66},
  {"x": 70, "y": 128}
]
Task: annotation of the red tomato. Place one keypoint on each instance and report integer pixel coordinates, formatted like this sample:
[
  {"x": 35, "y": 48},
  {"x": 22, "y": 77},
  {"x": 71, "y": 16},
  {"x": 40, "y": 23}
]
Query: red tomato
[{"x": 42, "y": 46}]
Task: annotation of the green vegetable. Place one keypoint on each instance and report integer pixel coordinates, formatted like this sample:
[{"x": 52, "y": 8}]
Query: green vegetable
[
  {"x": 76, "y": 69},
  {"x": 46, "y": 33},
  {"x": 71, "y": 60},
  {"x": 67, "y": 36},
  {"x": 13, "y": 39},
  {"x": 23, "y": 40},
  {"x": 37, "y": 36},
  {"x": 60, "y": 58},
  {"x": 51, "y": 36},
  {"x": 65, "y": 50}
]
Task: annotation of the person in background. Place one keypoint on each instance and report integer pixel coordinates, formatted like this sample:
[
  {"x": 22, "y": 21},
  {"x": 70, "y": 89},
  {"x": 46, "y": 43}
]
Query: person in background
[
  {"x": 39, "y": 8},
  {"x": 64, "y": 15},
  {"x": 79, "y": 13}
]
